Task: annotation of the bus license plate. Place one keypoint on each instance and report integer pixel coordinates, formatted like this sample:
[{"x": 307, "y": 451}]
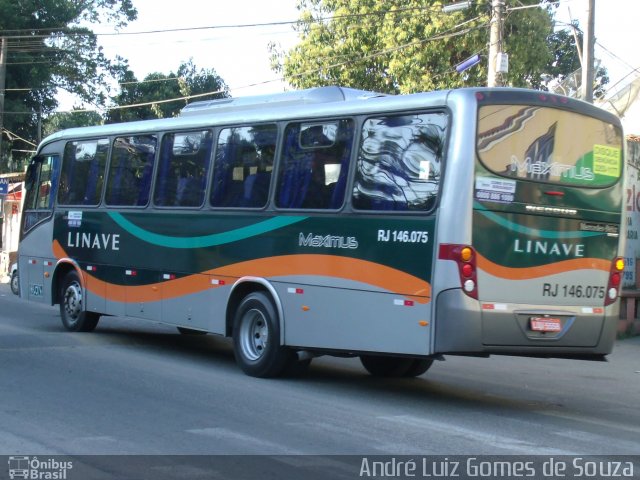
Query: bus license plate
[{"x": 545, "y": 324}]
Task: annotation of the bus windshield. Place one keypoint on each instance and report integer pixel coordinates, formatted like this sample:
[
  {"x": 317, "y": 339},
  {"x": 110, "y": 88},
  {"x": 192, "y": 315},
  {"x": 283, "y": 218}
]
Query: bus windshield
[{"x": 541, "y": 144}]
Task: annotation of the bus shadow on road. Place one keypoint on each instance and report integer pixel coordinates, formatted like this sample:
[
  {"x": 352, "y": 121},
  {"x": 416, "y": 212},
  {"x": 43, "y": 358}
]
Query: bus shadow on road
[
  {"x": 345, "y": 375},
  {"x": 436, "y": 387}
]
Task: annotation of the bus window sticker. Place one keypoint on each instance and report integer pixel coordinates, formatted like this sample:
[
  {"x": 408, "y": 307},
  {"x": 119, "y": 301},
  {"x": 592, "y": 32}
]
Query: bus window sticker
[
  {"x": 490, "y": 189},
  {"x": 606, "y": 160},
  {"x": 74, "y": 218}
]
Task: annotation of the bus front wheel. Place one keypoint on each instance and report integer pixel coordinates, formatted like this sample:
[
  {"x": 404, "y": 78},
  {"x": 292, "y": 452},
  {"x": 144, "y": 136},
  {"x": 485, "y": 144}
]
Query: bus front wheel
[
  {"x": 380, "y": 366},
  {"x": 15, "y": 283},
  {"x": 74, "y": 317},
  {"x": 256, "y": 338}
]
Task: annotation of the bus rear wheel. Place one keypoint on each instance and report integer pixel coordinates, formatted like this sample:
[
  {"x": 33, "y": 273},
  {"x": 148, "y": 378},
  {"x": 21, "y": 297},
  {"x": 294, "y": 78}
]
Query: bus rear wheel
[
  {"x": 256, "y": 338},
  {"x": 381, "y": 366},
  {"x": 418, "y": 367},
  {"x": 74, "y": 317}
]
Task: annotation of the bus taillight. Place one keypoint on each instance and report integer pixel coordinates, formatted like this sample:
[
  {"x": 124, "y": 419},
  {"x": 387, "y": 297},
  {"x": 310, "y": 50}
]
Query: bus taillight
[
  {"x": 465, "y": 258},
  {"x": 615, "y": 279}
]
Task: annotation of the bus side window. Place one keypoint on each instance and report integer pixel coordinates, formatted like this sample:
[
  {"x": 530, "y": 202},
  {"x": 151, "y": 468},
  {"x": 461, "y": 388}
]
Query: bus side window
[
  {"x": 315, "y": 164},
  {"x": 82, "y": 173},
  {"x": 43, "y": 193},
  {"x": 399, "y": 161},
  {"x": 243, "y": 165},
  {"x": 130, "y": 170},
  {"x": 182, "y": 170}
]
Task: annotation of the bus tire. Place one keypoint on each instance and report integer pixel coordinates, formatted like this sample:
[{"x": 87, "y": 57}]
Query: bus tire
[
  {"x": 418, "y": 367},
  {"x": 381, "y": 366},
  {"x": 15, "y": 283},
  {"x": 256, "y": 338},
  {"x": 74, "y": 317}
]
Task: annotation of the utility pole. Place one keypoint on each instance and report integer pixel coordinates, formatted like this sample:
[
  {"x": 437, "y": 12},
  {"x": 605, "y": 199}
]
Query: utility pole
[
  {"x": 3, "y": 74},
  {"x": 495, "y": 42},
  {"x": 588, "y": 42}
]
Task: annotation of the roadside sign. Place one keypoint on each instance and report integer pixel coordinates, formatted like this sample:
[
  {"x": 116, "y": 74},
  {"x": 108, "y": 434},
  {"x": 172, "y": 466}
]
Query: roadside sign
[{"x": 4, "y": 186}]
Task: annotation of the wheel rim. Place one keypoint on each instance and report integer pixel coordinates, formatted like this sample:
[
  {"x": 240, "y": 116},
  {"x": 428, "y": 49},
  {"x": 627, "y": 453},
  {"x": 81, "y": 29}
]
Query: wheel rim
[
  {"x": 254, "y": 334},
  {"x": 73, "y": 302},
  {"x": 14, "y": 283}
]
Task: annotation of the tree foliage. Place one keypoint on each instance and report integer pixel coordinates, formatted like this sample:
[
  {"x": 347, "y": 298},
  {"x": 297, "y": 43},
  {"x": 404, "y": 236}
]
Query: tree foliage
[
  {"x": 407, "y": 46},
  {"x": 50, "y": 46},
  {"x": 63, "y": 120},
  {"x": 565, "y": 69},
  {"x": 157, "y": 87}
]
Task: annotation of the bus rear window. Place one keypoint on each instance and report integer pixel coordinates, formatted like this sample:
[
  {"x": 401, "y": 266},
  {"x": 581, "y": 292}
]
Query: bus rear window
[
  {"x": 549, "y": 145},
  {"x": 399, "y": 162}
]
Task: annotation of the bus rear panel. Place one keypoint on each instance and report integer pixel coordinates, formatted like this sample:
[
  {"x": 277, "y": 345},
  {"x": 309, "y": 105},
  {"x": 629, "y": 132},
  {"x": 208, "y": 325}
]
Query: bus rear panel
[{"x": 546, "y": 228}]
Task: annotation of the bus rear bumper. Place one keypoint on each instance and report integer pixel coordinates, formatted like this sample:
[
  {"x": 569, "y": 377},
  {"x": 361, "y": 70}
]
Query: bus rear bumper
[{"x": 465, "y": 325}]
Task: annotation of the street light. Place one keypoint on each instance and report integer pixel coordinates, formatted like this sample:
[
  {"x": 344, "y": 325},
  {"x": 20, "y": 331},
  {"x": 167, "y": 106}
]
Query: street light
[
  {"x": 454, "y": 7},
  {"x": 474, "y": 59},
  {"x": 468, "y": 63}
]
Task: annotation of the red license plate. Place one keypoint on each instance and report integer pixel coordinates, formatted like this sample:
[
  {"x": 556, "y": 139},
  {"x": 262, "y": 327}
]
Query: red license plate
[{"x": 545, "y": 324}]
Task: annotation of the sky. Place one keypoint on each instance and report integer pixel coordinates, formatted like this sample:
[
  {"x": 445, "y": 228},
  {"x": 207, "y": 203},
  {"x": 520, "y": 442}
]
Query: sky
[
  {"x": 616, "y": 25},
  {"x": 241, "y": 56}
]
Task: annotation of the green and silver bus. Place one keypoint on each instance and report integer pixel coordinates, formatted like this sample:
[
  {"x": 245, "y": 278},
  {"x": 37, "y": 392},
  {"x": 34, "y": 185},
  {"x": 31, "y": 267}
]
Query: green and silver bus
[{"x": 343, "y": 222}]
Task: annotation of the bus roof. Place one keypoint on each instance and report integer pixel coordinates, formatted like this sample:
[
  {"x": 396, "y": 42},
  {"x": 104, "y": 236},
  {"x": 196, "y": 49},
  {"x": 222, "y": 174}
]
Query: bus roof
[{"x": 295, "y": 98}]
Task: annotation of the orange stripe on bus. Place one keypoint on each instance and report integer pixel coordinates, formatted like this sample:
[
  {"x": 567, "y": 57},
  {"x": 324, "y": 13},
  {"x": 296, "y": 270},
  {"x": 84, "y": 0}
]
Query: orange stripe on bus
[
  {"x": 363, "y": 271},
  {"x": 527, "y": 273}
]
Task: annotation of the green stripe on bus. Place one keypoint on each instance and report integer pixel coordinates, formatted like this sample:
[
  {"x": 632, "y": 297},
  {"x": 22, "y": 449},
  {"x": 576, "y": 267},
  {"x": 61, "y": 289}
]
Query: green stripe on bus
[
  {"x": 205, "y": 240},
  {"x": 534, "y": 232}
]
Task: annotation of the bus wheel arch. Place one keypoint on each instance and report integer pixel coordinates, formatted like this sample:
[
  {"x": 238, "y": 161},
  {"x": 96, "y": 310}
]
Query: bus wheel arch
[
  {"x": 243, "y": 287},
  {"x": 61, "y": 271}
]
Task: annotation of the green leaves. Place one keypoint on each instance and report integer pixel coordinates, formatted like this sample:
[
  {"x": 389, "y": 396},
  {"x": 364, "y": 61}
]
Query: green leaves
[
  {"x": 153, "y": 92},
  {"x": 408, "y": 46},
  {"x": 47, "y": 50}
]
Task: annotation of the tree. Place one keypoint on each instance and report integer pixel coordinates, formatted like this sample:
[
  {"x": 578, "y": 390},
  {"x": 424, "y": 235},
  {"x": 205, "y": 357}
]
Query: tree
[
  {"x": 158, "y": 87},
  {"x": 50, "y": 46},
  {"x": 565, "y": 68},
  {"x": 62, "y": 120},
  {"x": 410, "y": 45}
]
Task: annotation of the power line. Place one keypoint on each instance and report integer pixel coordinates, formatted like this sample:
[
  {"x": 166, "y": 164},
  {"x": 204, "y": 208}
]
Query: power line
[
  {"x": 34, "y": 43},
  {"x": 633, "y": 70},
  {"x": 349, "y": 59},
  {"x": 338, "y": 64},
  {"x": 17, "y": 137},
  {"x": 450, "y": 33},
  {"x": 29, "y": 33},
  {"x": 440, "y": 36}
]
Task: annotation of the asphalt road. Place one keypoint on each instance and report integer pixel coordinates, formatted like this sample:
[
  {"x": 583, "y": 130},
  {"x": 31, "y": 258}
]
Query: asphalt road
[{"x": 141, "y": 388}]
